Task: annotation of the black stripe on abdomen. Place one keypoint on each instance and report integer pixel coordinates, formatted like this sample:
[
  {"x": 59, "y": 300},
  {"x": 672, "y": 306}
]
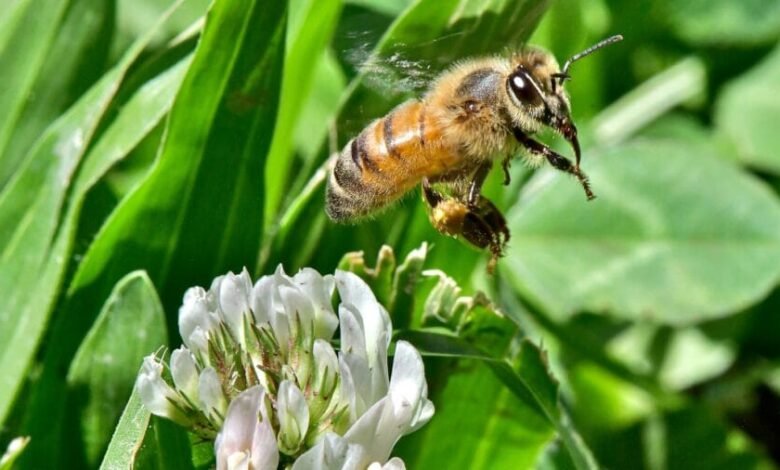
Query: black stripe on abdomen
[
  {"x": 387, "y": 132},
  {"x": 359, "y": 154}
]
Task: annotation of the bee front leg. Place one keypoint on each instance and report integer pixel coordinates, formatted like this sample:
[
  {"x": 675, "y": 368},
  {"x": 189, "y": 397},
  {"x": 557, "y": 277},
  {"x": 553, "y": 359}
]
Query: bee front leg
[
  {"x": 505, "y": 167},
  {"x": 557, "y": 160}
]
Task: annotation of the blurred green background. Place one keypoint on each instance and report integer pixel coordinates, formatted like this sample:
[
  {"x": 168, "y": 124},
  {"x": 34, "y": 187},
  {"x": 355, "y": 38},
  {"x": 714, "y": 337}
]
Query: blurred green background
[{"x": 141, "y": 154}]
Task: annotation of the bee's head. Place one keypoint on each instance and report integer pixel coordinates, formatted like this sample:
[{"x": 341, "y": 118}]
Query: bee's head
[{"x": 535, "y": 89}]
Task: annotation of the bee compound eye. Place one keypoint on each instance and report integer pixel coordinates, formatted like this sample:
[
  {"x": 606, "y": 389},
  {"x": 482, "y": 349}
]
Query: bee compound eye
[{"x": 524, "y": 90}]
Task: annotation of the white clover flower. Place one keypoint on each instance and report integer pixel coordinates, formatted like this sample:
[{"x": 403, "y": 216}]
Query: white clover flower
[
  {"x": 258, "y": 374},
  {"x": 248, "y": 439}
]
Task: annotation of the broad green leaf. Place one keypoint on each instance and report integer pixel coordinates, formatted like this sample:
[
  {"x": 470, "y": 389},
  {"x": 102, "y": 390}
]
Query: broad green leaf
[
  {"x": 311, "y": 25},
  {"x": 747, "y": 111},
  {"x": 35, "y": 250},
  {"x": 42, "y": 47},
  {"x": 675, "y": 236},
  {"x": 724, "y": 22},
  {"x": 144, "y": 441},
  {"x": 101, "y": 376}
]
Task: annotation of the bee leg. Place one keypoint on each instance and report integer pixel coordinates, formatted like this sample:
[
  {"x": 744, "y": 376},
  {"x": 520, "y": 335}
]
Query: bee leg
[
  {"x": 431, "y": 197},
  {"x": 482, "y": 225},
  {"x": 505, "y": 167},
  {"x": 445, "y": 213},
  {"x": 485, "y": 227},
  {"x": 475, "y": 187},
  {"x": 557, "y": 160}
]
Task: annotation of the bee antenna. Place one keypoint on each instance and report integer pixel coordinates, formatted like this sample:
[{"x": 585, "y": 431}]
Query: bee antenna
[{"x": 563, "y": 75}]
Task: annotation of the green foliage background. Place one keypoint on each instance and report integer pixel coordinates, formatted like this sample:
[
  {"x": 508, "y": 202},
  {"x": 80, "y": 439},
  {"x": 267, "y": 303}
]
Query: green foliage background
[{"x": 146, "y": 147}]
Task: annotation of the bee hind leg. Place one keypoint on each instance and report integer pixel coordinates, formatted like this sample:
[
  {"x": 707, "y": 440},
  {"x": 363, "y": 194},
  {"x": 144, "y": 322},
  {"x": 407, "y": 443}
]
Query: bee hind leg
[
  {"x": 485, "y": 227},
  {"x": 481, "y": 225}
]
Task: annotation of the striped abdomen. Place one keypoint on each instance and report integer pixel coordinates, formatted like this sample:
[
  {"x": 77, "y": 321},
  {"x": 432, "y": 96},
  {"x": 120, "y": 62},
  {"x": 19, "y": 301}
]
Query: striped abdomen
[{"x": 387, "y": 159}]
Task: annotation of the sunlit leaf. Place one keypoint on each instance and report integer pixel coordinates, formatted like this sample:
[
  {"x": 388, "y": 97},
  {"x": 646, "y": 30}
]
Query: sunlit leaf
[
  {"x": 674, "y": 236},
  {"x": 724, "y": 22},
  {"x": 748, "y": 110}
]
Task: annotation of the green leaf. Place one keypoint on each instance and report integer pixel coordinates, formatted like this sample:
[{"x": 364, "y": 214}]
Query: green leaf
[
  {"x": 42, "y": 48},
  {"x": 675, "y": 236},
  {"x": 724, "y": 22},
  {"x": 128, "y": 435},
  {"x": 134, "y": 16},
  {"x": 747, "y": 111},
  {"x": 535, "y": 393},
  {"x": 36, "y": 250},
  {"x": 478, "y": 424},
  {"x": 217, "y": 136},
  {"x": 684, "y": 81},
  {"x": 388, "y": 7},
  {"x": 532, "y": 371},
  {"x": 130, "y": 326},
  {"x": 311, "y": 25},
  {"x": 141, "y": 440},
  {"x": 688, "y": 438}
]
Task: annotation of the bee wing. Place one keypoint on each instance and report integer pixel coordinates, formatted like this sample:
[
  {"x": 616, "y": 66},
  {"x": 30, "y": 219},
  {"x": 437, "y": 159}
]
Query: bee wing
[{"x": 402, "y": 69}]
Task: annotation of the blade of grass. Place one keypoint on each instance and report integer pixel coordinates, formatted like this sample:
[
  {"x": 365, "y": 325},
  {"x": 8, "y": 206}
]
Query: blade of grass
[
  {"x": 33, "y": 261},
  {"x": 42, "y": 53},
  {"x": 311, "y": 25},
  {"x": 217, "y": 137}
]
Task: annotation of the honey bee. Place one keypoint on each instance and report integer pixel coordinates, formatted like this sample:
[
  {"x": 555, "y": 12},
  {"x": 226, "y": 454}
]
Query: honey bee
[{"x": 477, "y": 113}]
